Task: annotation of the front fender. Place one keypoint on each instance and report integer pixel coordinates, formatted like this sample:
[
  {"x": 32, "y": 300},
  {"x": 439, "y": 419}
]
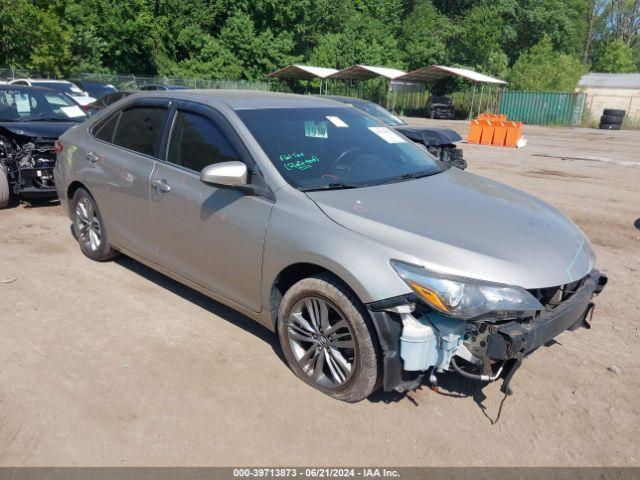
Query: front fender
[{"x": 299, "y": 232}]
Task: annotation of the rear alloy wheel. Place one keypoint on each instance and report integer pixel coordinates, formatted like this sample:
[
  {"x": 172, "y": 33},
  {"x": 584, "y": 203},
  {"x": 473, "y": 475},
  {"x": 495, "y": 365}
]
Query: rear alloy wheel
[
  {"x": 88, "y": 228},
  {"x": 326, "y": 339}
]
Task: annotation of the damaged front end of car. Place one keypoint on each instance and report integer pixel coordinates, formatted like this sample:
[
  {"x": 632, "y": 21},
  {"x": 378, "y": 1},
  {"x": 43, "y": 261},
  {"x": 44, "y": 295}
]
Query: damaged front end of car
[
  {"x": 439, "y": 142},
  {"x": 480, "y": 330},
  {"x": 28, "y": 163}
]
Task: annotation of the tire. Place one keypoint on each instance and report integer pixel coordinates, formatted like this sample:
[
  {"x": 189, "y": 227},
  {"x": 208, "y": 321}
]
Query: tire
[
  {"x": 88, "y": 228},
  {"x": 311, "y": 346},
  {"x": 610, "y": 126},
  {"x": 611, "y": 119},
  {"x": 614, "y": 113},
  {"x": 5, "y": 191}
]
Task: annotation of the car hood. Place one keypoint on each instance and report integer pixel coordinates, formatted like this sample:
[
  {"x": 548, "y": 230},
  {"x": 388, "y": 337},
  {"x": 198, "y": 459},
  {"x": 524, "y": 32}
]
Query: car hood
[
  {"x": 462, "y": 224},
  {"x": 38, "y": 129},
  {"x": 428, "y": 135}
]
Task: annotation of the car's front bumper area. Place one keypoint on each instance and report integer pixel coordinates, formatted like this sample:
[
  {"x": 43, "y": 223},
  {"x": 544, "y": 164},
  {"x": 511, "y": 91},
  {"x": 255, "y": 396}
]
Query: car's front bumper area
[
  {"x": 489, "y": 345},
  {"x": 511, "y": 339}
]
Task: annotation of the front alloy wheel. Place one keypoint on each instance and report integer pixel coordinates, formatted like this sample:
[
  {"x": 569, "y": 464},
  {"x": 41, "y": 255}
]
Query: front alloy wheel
[
  {"x": 322, "y": 342},
  {"x": 327, "y": 338}
]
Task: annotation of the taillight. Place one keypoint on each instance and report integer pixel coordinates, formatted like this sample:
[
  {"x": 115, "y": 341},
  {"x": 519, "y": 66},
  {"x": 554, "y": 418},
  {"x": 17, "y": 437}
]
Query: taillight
[{"x": 58, "y": 147}]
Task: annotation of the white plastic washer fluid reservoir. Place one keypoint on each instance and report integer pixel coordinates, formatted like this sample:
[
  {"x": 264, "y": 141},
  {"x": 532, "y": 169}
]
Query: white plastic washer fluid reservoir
[{"x": 418, "y": 344}]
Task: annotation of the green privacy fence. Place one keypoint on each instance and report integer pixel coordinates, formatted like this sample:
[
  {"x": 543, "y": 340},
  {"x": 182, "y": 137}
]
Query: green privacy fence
[{"x": 543, "y": 108}]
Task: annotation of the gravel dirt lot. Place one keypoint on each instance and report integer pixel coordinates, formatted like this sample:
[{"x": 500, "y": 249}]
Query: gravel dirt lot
[{"x": 114, "y": 364}]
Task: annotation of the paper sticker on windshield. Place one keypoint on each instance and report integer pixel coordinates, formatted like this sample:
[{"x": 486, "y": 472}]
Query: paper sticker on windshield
[
  {"x": 387, "y": 134},
  {"x": 337, "y": 121},
  {"x": 315, "y": 129},
  {"x": 22, "y": 103},
  {"x": 298, "y": 161},
  {"x": 72, "y": 112}
]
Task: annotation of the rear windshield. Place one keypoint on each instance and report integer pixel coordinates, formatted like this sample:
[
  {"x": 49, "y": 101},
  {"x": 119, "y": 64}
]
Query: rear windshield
[{"x": 321, "y": 147}]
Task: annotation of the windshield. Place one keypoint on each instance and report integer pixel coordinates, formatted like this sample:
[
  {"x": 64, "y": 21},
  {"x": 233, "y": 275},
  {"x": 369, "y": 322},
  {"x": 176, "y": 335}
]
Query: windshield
[
  {"x": 380, "y": 113},
  {"x": 66, "y": 87},
  {"x": 319, "y": 148},
  {"x": 35, "y": 105}
]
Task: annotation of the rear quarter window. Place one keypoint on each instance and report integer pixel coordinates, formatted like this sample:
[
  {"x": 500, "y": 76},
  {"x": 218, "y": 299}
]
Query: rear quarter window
[
  {"x": 140, "y": 129},
  {"x": 105, "y": 129}
]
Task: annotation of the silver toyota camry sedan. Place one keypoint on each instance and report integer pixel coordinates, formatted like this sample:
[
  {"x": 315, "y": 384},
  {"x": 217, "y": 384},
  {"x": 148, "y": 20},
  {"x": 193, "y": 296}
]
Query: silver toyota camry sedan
[{"x": 376, "y": 265}]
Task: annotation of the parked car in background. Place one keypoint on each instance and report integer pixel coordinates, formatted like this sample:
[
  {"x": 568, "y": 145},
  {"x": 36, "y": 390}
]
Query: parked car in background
[
  {"x": 440, "y": 106},
  {"x": 440, "y": 142},
  {"x": 374, "y": 263},
  {"x": 95, "y": 88},
  {"x": 107, "y": 100},
  {"x": 163, "y": 87},
  {"x": 64, "y": 86},
  {"x": 31, "y": 119}
]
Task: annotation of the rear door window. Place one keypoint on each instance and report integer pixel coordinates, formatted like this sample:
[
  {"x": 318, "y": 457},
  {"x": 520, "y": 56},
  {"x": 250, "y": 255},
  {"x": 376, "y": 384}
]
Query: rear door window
[
  {"x": 197, "y": 142},
  {"x": 140, "y": 129}
]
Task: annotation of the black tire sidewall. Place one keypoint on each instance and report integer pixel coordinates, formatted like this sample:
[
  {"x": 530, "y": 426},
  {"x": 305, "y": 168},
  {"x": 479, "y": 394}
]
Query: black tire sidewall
[
  {"x": 364, "y": 380},
  {"x": 611, "y": 119},
  {"x": 613, "y": 112},
  {"x": 5, "y": 189},
  {"x": 104, "y": 252}
]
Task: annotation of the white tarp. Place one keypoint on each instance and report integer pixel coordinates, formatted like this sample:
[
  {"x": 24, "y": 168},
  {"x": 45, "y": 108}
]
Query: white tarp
[
  {"x": 436, "y": 72},
  {"x": 302, "y": 72},
  {"x": 363, "y": 72}
]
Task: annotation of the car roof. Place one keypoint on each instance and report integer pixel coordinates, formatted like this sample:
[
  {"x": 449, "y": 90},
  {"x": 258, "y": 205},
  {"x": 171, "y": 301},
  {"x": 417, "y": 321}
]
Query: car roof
[
  {"x": 28, "y": 88},
  {"x": 37, "y": 80},
  {"x": 343, "y": 99},
  {"x": 245, "y": 99}
]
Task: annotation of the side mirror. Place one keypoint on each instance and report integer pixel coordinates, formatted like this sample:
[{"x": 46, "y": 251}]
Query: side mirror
[{"x": 232, "y": 174}]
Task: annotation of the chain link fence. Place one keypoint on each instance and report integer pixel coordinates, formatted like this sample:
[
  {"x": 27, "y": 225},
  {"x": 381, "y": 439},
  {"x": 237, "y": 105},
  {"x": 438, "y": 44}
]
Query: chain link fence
[{"x": 135, "y": 82}]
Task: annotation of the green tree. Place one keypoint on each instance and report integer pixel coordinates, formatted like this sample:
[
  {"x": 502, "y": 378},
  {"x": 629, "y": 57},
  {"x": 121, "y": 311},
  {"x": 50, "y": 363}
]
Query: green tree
[
  {"x": 564, "y": 21},
  {"x": 425, "y": 33},
  {"x": 615, "y": 57},
  {"x": 482, "y": 32},
  {"x": 363, "y": 40},
  {"x": 33, "y": 38},
  {"x": 544, "y": 69},
  {"x": 257, "y": 53}
]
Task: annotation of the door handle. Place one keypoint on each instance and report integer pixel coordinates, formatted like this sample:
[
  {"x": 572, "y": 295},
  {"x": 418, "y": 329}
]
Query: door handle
[
  {"x": 92, "y": 157},
  {"x": 161, "y": 185}
]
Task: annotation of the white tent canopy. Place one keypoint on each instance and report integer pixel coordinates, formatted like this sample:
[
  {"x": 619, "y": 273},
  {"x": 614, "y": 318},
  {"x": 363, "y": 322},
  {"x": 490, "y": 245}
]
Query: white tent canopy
[
  {"x": 364, "y": 72},
  {"x": 437, "y": 72},
  {"x": 302, "y": 72}
]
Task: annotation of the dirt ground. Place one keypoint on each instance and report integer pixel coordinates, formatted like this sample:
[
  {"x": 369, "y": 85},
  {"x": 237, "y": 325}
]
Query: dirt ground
[{"x": 113, "y": 364}]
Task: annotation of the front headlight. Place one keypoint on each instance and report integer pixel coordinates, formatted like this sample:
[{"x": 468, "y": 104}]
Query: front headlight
[{"x": 467, "y": 298}]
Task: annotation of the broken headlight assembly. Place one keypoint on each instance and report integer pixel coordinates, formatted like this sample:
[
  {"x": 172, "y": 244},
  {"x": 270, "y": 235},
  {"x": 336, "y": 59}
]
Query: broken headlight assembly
[{"x": 466, "y": 298}]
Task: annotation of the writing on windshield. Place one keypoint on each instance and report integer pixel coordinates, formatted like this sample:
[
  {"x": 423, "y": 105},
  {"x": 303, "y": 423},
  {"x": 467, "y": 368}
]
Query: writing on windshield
[{"x": 349, "y": 150}]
